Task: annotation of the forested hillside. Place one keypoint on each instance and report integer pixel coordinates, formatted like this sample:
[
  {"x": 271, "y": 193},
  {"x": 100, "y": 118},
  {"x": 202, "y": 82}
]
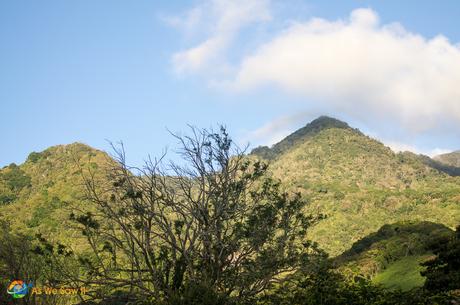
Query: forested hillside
[
  {"x": 39, "y": 195},
  {"x": 231, "y": 226},
  {"x": 359, "y": 183}
]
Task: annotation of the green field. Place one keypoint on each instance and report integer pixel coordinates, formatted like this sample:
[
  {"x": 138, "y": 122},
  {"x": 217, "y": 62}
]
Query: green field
[{"x": 403, "y": 274}]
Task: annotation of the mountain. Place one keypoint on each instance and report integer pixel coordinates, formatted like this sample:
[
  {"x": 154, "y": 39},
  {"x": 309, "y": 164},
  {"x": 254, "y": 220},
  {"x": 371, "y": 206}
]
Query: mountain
[
  {"x": 359, "y": 183},
  {"x": 356, "y": 181},
  {"x": 440, "y": 165},
  {"x": 38, "y": 195},
  {"x": 450, "y": 159},
  {"x": 383, "y": 210},
  {"x": 311, "y": 129}
]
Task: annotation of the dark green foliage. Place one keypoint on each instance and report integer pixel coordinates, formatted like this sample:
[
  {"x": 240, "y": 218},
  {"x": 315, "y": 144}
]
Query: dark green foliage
[
  {"x": 327, "y": 287},
  {"x": 88, "y": 221},
  {"x": 19, "y": 261},
  {"x": 34, "y": 157},
  {"x": 263, "y": 152},
  {"x": 7, "y": 198},
  {"x": 199, "y": 294},
  {"x": 15, "y": 178},
  {"x": 443, "y": 272},
  {"x": 12, "y": 180}
]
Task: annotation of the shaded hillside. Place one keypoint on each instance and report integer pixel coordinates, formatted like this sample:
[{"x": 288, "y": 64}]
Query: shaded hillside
[
  {"x": 451, "y": 159},
  {"x": 38, "y": 195},
  {"x": 392, "y": 255},
  {"x": 441, "y": 166},
  {"x": 361, "y": 184}
]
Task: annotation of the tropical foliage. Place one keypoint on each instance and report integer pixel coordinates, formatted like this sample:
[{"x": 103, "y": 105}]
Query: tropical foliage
[{"x": 223, "y": 227}]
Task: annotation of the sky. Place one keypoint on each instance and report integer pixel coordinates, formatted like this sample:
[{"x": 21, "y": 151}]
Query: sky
[{"x": 96, "y": 71}]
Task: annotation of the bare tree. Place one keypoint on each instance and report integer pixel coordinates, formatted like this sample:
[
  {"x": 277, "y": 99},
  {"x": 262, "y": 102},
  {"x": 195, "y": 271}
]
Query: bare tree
[{"x": 216, "y": 220}]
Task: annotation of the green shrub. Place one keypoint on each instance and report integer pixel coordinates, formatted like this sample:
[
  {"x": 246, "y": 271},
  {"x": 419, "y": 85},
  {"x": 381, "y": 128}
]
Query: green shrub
[
  {"x": 198, "y": 294},
  {"x": 34, "y": 157},
  {"x": 15, "y": 178},
  {"x": 6, "y": 198}
]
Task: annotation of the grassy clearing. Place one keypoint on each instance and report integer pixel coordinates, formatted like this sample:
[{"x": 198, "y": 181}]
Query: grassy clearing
[{"x": 403, "y": 274}]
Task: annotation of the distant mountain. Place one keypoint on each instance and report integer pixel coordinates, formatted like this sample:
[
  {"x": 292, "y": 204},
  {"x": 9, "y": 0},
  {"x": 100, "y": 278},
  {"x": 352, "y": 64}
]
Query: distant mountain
[
  {"x": 444, "y": 167},
  {"x": 359, "y": 183},
  {"x": 451, "y": 159}
]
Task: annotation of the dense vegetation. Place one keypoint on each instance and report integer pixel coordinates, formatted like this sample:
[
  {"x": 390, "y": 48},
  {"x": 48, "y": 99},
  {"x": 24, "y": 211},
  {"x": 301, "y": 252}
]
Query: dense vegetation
[
  {"x": 79, "y": 217},
  {"x": 46, "y": 188},
  {"x": 12, "y": 181},
  {"x": 442, "y": 272},
  {"x": 392, "y": 256},
  {"x": 217, "y": 223},
  {"x": 360, "y": 184}
]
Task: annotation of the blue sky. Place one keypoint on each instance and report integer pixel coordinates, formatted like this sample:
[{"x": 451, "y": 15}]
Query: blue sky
[{"x": 98, "y": 70}]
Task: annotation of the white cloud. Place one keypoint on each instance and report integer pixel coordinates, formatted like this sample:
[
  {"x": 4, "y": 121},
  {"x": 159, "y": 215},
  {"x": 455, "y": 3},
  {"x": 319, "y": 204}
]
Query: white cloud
[
  {"x": 357, "y": 67},
  {"x": 401, "y": 147},
  {"x": 222, "y": 19},
  {"x": 188, "y": 21},
  {"x": 276, "y": 130},
  {"x": 380, "y": 75},
  {"x": 361, "y": 68},
  {"x": 438, "y": 151}
]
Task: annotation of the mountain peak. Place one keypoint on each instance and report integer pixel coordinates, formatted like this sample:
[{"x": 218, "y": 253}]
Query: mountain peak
[
  {"x": 317, "y": 125},
  {"x": 324, "y": 122},
  {"x": 63, "y": 151}
]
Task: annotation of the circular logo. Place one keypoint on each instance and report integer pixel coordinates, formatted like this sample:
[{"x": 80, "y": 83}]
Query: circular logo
[{"x": 18, "y": 289}]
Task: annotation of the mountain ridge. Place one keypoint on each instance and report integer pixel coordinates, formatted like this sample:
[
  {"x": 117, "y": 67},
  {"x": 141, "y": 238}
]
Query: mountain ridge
[
  {"x": 450, "y": 159},
  {"x": 358, "y": 182}
]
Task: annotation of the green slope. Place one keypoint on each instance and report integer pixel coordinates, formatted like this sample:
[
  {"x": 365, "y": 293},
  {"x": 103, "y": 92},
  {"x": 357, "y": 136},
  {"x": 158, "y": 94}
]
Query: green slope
[
  {"x": 392, "y": 255},
  {"x": 403, "y": 274},
  {"x": 359, "y": 183},
  {"x": 38, "y": 195},
  {"x": 355, "y": 180}
]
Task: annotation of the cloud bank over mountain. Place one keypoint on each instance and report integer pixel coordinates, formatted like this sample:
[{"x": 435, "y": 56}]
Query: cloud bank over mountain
[
  {"x": 372, "y": 72},
  {"x": 360, "y": 66}
]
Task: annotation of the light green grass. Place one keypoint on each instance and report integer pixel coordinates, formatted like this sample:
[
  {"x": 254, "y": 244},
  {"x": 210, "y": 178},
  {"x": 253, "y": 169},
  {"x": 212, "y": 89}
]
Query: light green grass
[{"x": 403, "y": 274}]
